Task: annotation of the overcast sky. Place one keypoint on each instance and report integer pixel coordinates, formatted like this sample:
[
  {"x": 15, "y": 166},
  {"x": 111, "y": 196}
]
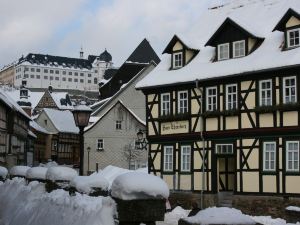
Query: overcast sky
[{"x": 61, "y": 27}]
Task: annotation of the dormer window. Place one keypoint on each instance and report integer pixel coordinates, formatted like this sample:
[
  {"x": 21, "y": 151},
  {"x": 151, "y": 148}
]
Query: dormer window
[
  {"x": 293, "y": 38},
  {"x": 238, "y": 49},
  {"x": 223, "y": 51},
  {"x": 177, "y": 60}
]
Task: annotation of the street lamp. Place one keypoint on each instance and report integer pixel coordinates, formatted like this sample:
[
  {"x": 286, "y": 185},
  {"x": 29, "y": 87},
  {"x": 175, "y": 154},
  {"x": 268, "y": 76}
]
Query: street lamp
[
  {"x": 141, "y": 142},
  {"x": 88, "y": 150},
  {"x": 81, "y": 115}
]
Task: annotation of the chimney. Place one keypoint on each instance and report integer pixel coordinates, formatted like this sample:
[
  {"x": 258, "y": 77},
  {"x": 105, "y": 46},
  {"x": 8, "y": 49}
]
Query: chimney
[
  {"x": 81, "y": 53},
  {"x": 50, "y": 89}
]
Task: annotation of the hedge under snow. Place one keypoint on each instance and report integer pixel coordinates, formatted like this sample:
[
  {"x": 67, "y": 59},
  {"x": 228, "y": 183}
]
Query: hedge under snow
[
  {"x": 86, "y": 183},
  {"x": 19, "y": 170},
  {"x": 37, "y": 173},
  {"x": 3, "y": 172},
  {"x": 60, "y": 173}
]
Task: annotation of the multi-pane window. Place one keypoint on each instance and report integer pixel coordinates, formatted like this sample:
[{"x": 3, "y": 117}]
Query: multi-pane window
[
  {"x": 231, "y": 96},
  {"x": 118, "y": 125},
  {"x": 223, "y": 51},
  {"x": 269, "y": 156},
  {"x": 177, "y": 60},
  {"x": 211, "y": 98},
  {"x": 100, "y": 144},
  {"x": 238, "y": 49},
  {"x": 292, "y": 155},
  {"x": 293, "y": 38},
  {"x": 224, "y": 148},
  {"x": 168, "y": 158},
  {"x": 185, "y": 158},
  {"x": 265, "y": 92},
  {"x": 289, "y": 90},
  {"x": 182, "y": 102},
  {"x": 165, "y": 104}
]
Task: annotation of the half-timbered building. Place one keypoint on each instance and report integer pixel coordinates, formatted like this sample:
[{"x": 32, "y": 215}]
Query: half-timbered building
[{"x": 228, "y": 92}]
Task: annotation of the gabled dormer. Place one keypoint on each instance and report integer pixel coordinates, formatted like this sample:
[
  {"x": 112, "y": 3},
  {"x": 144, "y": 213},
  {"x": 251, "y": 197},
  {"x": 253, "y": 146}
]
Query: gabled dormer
[
  {"x": 232, "y": 40},
  {"x": 181, "y": 53},
  {"x": 290, "y": 25}
]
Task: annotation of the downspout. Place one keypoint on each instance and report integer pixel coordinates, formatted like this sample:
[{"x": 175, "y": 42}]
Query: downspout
[{"x": 203, "y": 142}]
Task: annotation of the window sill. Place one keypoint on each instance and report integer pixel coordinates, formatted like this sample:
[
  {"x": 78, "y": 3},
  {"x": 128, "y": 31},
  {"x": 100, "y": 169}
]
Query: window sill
[{"x": 100, "y": 149}]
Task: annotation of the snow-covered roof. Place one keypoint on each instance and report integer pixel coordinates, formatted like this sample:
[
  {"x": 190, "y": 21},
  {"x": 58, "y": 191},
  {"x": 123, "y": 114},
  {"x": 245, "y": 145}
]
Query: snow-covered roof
[
  {"x": 57, "y": 96},
  {"x": 61, "y": 173},
  {"x": 86, "y": 183},
  {"x": 37, "y": 173},
  {"x": 12, "y": 104},
  {"x": 62, "y": 120},
  {"x": 138, "y": 185},
  {"x": 37, "y": 127},
  {"x": 19, "y": 170},
  {"x": 3, "y": 172},
  {"x": 256, "y": 16},
  {"x": 30, "y": 133}
]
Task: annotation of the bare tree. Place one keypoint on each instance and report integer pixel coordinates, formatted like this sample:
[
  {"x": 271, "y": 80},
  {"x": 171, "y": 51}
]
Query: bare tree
[{"x": 131, "y": 153}]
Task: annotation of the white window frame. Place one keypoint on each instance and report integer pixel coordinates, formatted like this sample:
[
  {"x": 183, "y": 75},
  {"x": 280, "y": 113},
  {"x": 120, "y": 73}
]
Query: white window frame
[
  {"x": 290, "y": 90},
  {"x": 268, "y": 158},
  {"x": 231, "y": 98},
  {"x": 100, "y": 148},
  {"x": 219, "y": 51},
  {"x": 177, "y": 63},
  {"x": 234, "y": 48},
  {"x": 186, "y": 152},
  {"x": 293, "y": 151},
  {"x": 289, "y": 38},
  {"x": 118, "y": 124},
  {"x": 183, "y": 103},
  {"x": 210, "y": 106},
  {"x": 220, "y": 147},
  {"x": 261, "y": 101},
  {"x": 165, "y": 110},
  {"x": 168, "y": 158}
]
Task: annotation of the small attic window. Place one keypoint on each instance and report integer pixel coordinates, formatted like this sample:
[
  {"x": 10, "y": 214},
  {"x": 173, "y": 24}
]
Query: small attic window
[
  {"x": 223, "y": 51},
  {"x": 177, "y": 60},
  {"x": 293, "y": 39},
  {"x": 239, "y": 49}
]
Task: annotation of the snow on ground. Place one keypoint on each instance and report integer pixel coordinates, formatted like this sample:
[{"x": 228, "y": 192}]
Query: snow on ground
[
  {"x": 172, "y": 217},
  {"x": 293, "y": 208},
  {"x": 61, "y": 173},
  {"x": 19, "y": 170},
  {"x": 31, "y": 205},
  {"x": 86, "y": 183},
  {"x": 138, "y": 185},
  {"x": 3, "y": 172},
  {"x": 37, "y": 173}
]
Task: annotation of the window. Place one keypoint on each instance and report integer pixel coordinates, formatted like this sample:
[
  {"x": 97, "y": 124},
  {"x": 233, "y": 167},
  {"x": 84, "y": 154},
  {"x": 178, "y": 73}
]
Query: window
[
  {"x": 100, "y": 144},
  {"x": 293, "y": 38},
  {"x": 31, "y": 76},
  {"x": 238, "y": 49},
  {"x": 46, "y": 77},
  {"x": 56, "y": 78},
  {"x": 269, "y": 156},
  {"x": 45, "y": 71},
  {"x": 32, "y": 69},
  {"x": 211, "y": 99},
  {"x": 81, "y": 80},
  {"x": 89, "y": 75},
  {"x": 75, "y": 80},
  {"x": 95, "y": 80},
  {"x": 223, "y": 51},
  {"x": 70, "y": 73},
  {"x": 76, "y": 74},
  {"x": 185, "y": 158},
  {"x": 292, "y": 156},
  {"x": 289, "y": 90},
  {"x": 70, "y": 79},
  {"x": 56, "y": 71},
  {"x": 25, "y": 75},
  {"x": 64, "y": 72},
  {"x": 165, "y": 104},
  {"x": 182, "y": 102},
  {"x": 89, "y": 81},
  {"x": 38, "y": 70},
  {"x": 224, "y": 148},
  {"x": 177, "y": 60},
  {"x": 38, "y": 76},
  {"x": 231, "y": 96},
  {"x": 265, "y": 92},
  {"x": 26, "y": 69},
  {"x": 51, "y": 71},
  {"x": 168, "y": 158},
  {"x": 81, "y": 74},
  {"x": 118, "y": 125},
  {"x": 51, "y": 78},
  {"x": 63, "y": 79},
  {"x": 96, "y": 71}
]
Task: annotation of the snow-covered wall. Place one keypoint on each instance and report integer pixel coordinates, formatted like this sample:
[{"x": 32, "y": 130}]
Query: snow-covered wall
[{"x": 23, "y": 204}]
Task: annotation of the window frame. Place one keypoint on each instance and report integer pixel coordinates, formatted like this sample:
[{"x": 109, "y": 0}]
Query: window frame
[
  {"x": 233, "y": 49},
  {"x": 287, "y": 157},
  {"x": 185, "y": 156},
  {"x": 284, "y": 88},
  {"x": 261, "y": 90},
  {"x": 269, "y": 158},
  {"x": 170, "y": 162},
  {"x": 180, "y": 100},
  {"x": 99, "y": 148},
  {"x": 288, "y": 37},
  {"x": 118, "y": 124},
  {"x": 227, "y": 97},
  {"x": 224, "y": 153},
  {"x": 175, "y": 61},
  {"x": 211, "y": 96},
  {"x": 219, "y": 51},
  {"x": 162, "y": 104}
]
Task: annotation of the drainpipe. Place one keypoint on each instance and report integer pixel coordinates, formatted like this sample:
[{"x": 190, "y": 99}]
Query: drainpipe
[{"x": 203, "y": 142}]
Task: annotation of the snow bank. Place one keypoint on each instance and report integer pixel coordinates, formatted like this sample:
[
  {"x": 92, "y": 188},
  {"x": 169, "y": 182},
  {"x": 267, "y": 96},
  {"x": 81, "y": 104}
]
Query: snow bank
[
  {"x": 3, "y": 172},
  {"x": 61, "y": 173},
  {"x": 176, "y": 214},
  {"x": 293, "y": 208},
  {"x": 137, "y": 185},
  {"x": 86, "y": 183},
  {"x": 220, "y": 215},
  {"x": 37, "y": 173},
  {"x": 19, "y": 170},
  {"x": 31, "y": 205}
]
